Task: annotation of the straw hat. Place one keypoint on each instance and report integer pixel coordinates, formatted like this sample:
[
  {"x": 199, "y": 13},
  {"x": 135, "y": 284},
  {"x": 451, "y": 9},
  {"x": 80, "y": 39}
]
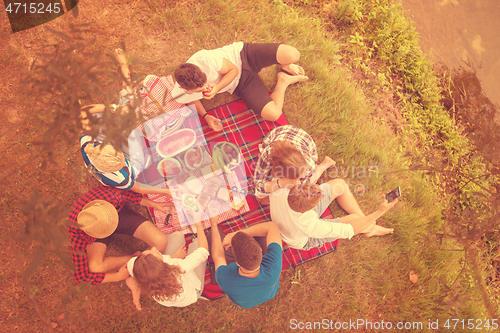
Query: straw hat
[
  {"x": 98, "y": 219},
  {"x": 105, "y": 158}
]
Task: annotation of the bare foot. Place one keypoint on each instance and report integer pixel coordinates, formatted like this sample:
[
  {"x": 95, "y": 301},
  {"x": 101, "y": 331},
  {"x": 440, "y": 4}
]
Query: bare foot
[
  {"x": 293, "y": 69},
  {"x": 136, "y": 291},
  {"x": 121, "y": 57},
  {"x": 289, "y": 79},
  {"x": 378, "y": 231}
]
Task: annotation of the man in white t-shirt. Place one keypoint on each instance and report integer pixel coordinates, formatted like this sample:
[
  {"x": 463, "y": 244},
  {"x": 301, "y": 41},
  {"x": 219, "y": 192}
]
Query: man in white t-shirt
[
  {"x": 297, "y": 213},
  {"x": 234, "y": 68}
]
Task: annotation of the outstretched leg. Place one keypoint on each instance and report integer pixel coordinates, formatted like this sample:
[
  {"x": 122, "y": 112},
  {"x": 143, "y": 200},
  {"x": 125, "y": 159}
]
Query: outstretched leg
[
  {"x": 122, "y": 59},
  {"x": 377, "y": 230},
  {"x": 286, "y": 56},
  {"x": 340, "y": 191}
]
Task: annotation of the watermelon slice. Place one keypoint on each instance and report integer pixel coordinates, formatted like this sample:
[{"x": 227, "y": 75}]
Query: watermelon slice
[
  {"x": 193, "y": 158},
  {"x": 169, "y": 167},
  {"x": 175, "y": 143}
]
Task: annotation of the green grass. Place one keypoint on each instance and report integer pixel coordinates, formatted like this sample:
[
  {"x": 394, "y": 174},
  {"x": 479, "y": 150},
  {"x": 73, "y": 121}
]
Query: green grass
[{"x": 364, "y": 278}]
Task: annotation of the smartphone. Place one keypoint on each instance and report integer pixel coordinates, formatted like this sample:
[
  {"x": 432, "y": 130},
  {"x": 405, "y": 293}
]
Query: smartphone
[
  {"x": 167, "y": 219},
  {"x": 396, "y": 193}
]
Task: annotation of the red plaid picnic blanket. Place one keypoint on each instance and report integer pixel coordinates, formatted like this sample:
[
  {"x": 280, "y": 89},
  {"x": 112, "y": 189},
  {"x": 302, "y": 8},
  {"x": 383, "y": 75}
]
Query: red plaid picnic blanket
[{"x": 247, "y": 130}]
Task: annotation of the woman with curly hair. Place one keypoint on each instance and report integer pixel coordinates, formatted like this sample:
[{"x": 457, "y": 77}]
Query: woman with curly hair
[{"x": 172, "y": 279}]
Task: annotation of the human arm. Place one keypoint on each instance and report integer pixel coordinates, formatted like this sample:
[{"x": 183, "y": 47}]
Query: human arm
[
  {"x": 217, "y": 250},
  {"x": 97, "y": 263},
  {"x": 202, "y": 238},
  {"x": 212, "y": 121},
  {"x": 364, "y": 222},
  {"x": 327, "y": 162},
  {"x": 180, "y": 253},
  {"x": 349, "y": 225},
  {"x": 274, "y": 185},
  {"x": 198, "y": 256},
  {"x": 90, "y": 109},
  {"x": 142, "y": 190},
  {"x": 122, "y": 274},
  {"x": 229, "y": 72},
  {"x": 268, "y": 229},
  {"x": 167, "y": 207}
]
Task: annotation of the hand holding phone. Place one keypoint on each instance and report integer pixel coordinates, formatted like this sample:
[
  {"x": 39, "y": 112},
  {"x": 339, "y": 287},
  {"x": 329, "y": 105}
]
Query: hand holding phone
[{"x": 396, "y": 193}]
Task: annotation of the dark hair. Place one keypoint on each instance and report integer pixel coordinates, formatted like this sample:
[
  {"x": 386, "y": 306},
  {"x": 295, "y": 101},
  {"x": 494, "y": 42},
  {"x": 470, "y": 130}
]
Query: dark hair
[
  {"x": 304, "y": 197},
  {"x": 189, "y": 76},
  {"x": 287, "y": 160},
  {"x": 157, "y": 278},
  {"x": 247, "y": 252}
]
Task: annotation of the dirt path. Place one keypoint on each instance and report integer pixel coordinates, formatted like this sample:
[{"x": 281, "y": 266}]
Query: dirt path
[{"x": 462, "y": 33}]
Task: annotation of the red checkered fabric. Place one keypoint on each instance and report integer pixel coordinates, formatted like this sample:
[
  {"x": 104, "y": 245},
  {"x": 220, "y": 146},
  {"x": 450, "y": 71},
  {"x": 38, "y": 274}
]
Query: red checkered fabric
[
  {"x": 80, "y": 240},
  {"x": 247, "y": 130}
]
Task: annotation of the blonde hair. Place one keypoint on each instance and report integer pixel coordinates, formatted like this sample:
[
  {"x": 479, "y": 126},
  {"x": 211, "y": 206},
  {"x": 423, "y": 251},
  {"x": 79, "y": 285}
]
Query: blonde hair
[
  {"x": 104, "y": 157},
  {"x": 287, "y": 160},
  {"x": 304, "y": 197}
]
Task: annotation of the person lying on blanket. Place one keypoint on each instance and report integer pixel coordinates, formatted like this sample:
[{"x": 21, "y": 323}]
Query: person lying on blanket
[
  {"x": 171, "y": 278},
  {"x": 254, "y": 278},
  {"x": 288, "y": 156},
  {"x": 234, "y": 68},
  {"x": 297, "y": 213},
  {"x": 100, "y": 213},
  {"x": 108, "y": 166}
]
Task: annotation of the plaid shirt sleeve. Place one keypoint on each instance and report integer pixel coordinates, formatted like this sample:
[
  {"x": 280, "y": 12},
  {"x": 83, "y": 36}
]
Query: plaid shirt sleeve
[
  {"x": 304, "y": 142},
  {"x": 262, "y": 171},
  {"x": 132, "y": 197},
  {"x": 79, "y": 242}
]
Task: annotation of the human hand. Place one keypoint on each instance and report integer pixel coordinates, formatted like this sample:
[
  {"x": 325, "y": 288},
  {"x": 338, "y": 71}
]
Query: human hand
[
  {"x": 210, "y": 91},
  {"x": 167, "y": 207},
  {"x": 327, "y": 162},
  {"x": 180, "y": 253},
  {"x": 386, "y": 206},
  {"x": 226, "y": 242},
  {"x": 195, "y": 214},
  {"x": 137, "y": 253},
  {"x": 214, "y": 123},
  {"x": 177, "y": 193}
]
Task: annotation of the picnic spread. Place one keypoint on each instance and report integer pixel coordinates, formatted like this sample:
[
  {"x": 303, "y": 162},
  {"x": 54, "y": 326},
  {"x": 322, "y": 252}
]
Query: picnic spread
[{"x": 177, "y": 149}]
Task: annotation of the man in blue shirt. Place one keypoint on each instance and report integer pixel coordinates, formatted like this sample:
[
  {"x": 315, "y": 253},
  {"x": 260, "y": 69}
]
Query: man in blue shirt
[{"x": 254, "y": 278}]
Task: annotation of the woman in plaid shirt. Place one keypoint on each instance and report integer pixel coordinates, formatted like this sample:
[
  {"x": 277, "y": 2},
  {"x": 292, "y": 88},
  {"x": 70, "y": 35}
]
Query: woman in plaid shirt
[{"x": 288, "y": 156}]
